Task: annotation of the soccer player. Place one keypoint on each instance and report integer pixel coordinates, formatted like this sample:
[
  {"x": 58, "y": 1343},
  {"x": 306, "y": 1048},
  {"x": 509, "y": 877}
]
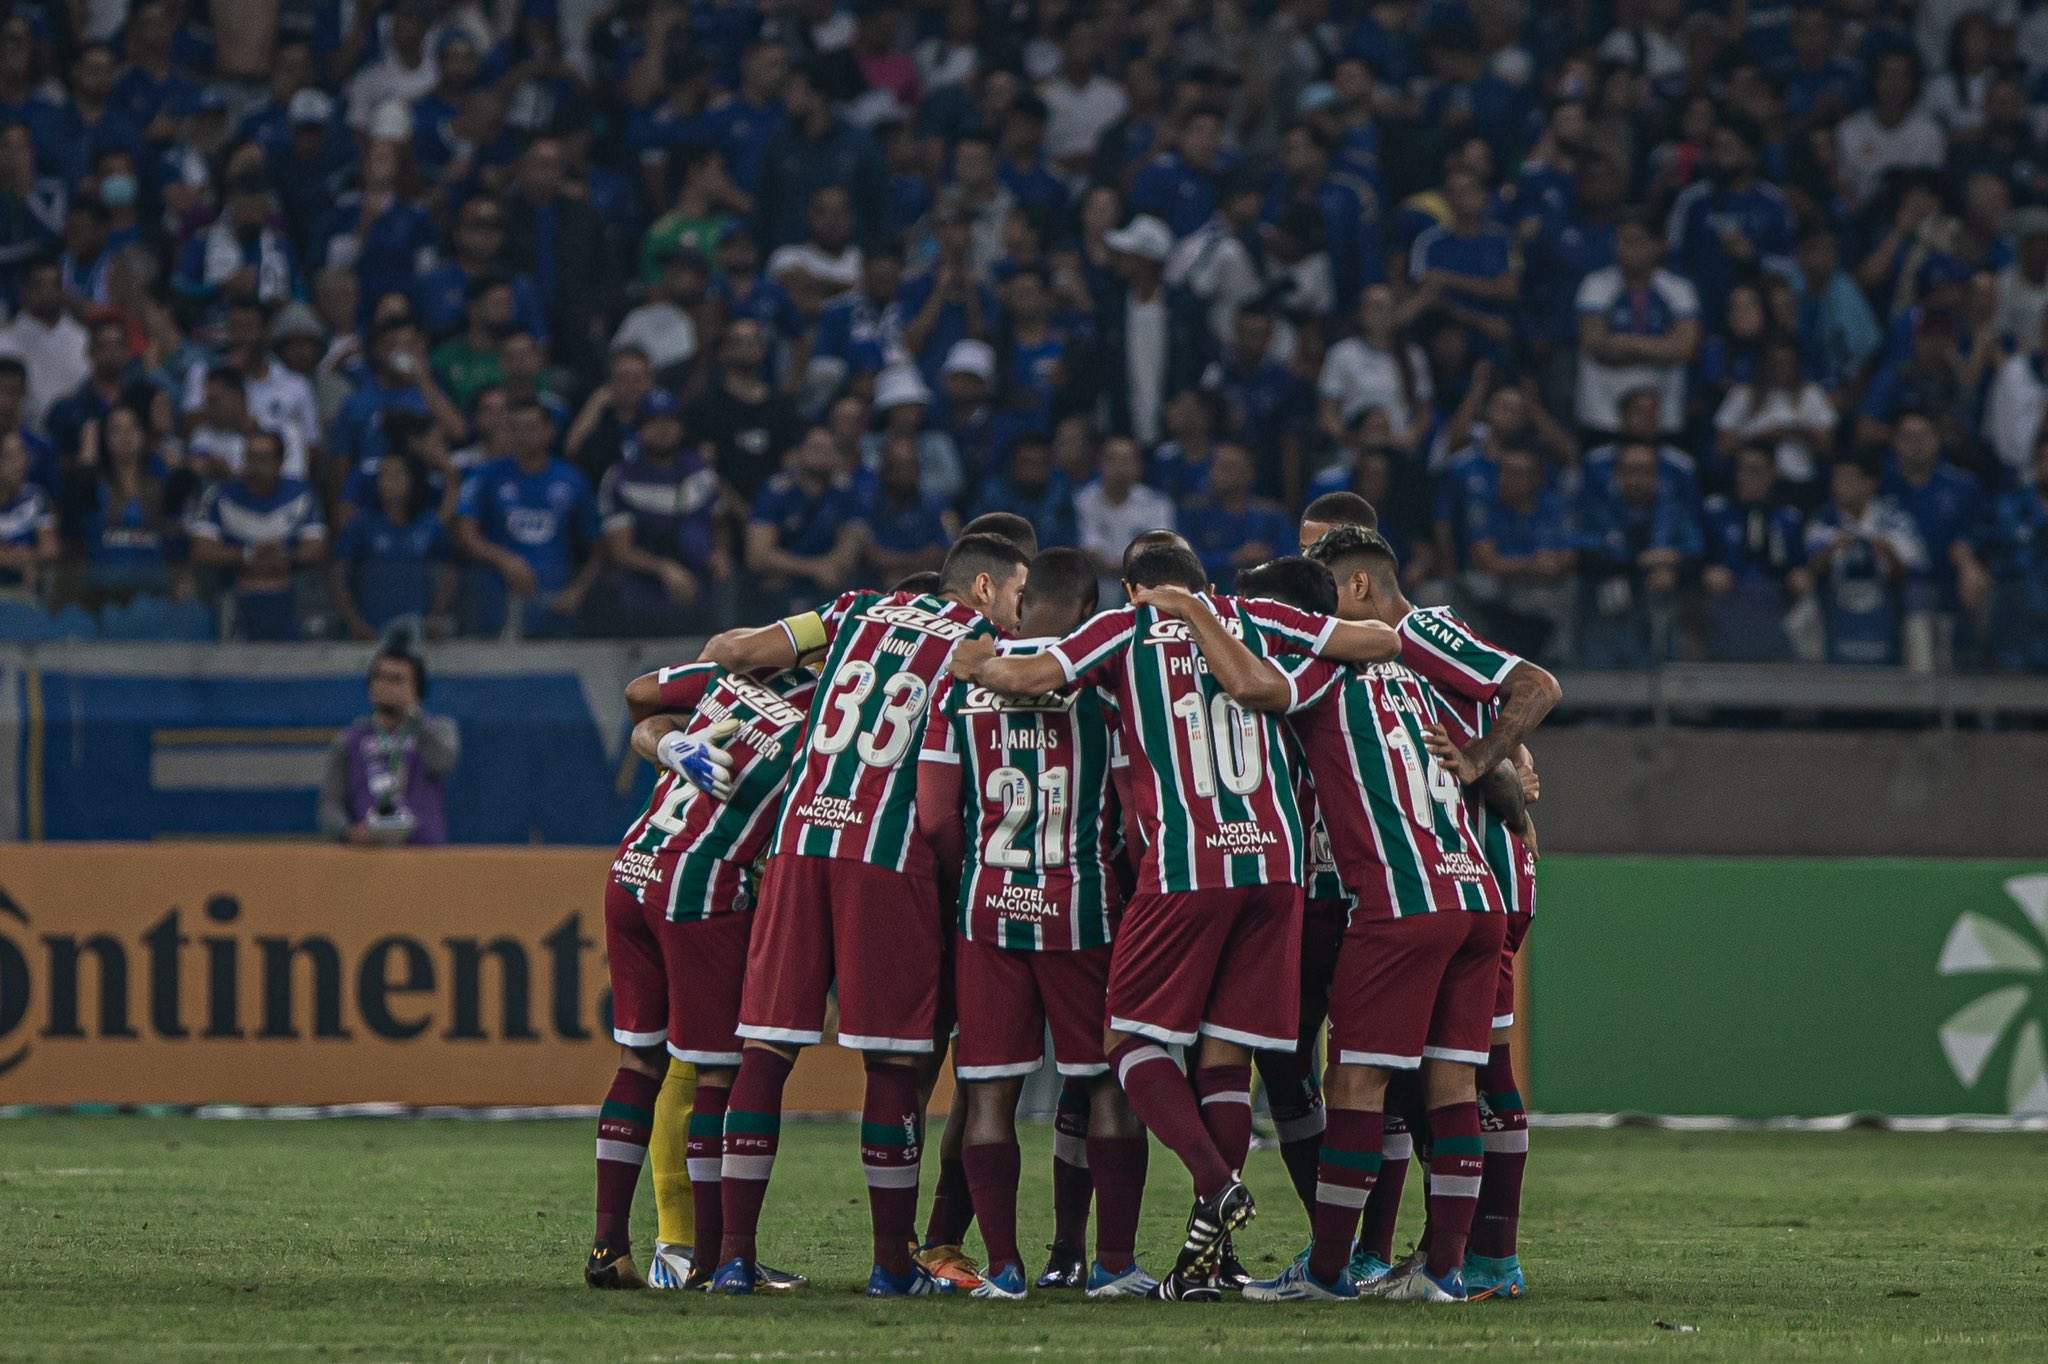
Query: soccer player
[
  {"x": 850, "y": 892},
  {"x": 677, "y": 921},
  {"x": 1208, "y": 952},
  {"x": 952, "y": 1211},
  {"x": 1417, "y": 972},
  {"x": 1332, "y": 510},
  {"x": 1017, "y": 793},
  {"x": 1492, "y": 1268},
  {"x": 1293, "y": 1087}
]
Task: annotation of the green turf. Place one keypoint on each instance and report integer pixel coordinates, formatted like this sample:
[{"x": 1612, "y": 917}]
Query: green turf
[{"x": 176, "y": 1239}]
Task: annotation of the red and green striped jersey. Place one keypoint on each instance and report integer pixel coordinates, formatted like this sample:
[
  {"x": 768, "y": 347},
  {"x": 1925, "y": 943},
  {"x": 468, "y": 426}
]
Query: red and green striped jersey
[
  {"x": 854, "y": 792},
  {"x": 676, "y": 847},
  {"x": 1512, "y": 861},
  {"x": 1036, "y": 800},
  {"x": 1212, "y": 783},
  {"x": 1398, "y": 821},
  {"x": 1324, "y": 882},
  {"x": 1467, "y": 671}
]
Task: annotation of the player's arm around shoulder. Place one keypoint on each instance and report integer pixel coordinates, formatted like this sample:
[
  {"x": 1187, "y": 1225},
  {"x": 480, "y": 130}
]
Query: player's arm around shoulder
[{"x": 1252, "y": 682}]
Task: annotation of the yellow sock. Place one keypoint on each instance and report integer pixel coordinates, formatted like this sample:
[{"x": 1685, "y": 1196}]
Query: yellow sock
[{"x": 676, "y": 1214}]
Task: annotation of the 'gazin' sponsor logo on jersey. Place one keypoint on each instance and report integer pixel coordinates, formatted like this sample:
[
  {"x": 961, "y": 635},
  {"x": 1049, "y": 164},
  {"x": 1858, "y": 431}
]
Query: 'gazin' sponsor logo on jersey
[
  {"x": 982, "y": 701},
  {"x": 1164, "y": 631},
  {"x": 766, "y": 703},
  {"x": 905, "y": 616}
]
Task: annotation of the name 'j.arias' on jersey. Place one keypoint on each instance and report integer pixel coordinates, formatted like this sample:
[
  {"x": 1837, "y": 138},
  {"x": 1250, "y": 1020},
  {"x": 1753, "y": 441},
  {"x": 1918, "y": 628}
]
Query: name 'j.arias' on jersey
[
  {"x": 1212, "y": 783},
  {"x": 690, "y": 849},
  {"x": 1467, "y": 671},
  {"x": 1037, "y": 803},
  {"x": 853, "y": 794},
  {"x": 1398, "y": 821}
]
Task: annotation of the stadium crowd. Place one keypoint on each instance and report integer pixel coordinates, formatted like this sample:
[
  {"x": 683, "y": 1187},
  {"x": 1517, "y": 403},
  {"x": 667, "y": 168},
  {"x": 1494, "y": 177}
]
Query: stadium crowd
[{"x": 1652, "y": 328}]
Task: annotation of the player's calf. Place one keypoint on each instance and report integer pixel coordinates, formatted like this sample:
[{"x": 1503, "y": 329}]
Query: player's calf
[{"x": 624, "y": 1124}]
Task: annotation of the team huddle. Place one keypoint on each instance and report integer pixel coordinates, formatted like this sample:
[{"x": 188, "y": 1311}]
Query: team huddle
[{"x": 982, "y": 813}]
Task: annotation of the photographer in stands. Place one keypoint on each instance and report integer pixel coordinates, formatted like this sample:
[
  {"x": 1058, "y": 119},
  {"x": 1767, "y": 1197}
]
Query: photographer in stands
[{"x": 387, "y": 773}]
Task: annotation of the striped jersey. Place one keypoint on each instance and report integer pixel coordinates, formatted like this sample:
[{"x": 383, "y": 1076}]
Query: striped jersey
[
  {"x": 690, "y": 849},
  {"x": 853, "y": 794},
  {"x": 1467, "y": 671},
  {"x": 1213, "y": 784},
  {"x": 1398, "y": 821},
  {"x": 1039, "y": 810},
  {"x": 1323, "y": 882}
]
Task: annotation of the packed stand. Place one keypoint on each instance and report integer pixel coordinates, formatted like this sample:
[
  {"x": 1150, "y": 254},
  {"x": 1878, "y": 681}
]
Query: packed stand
[{"x": 1651, "y": 329}]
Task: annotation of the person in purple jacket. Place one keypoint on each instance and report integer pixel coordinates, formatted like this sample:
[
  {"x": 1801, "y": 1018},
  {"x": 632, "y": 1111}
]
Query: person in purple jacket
[{"x": 387, "y": 774}]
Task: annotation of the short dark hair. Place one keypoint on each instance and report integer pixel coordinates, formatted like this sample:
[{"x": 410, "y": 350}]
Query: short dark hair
[
  {"x": 924, "y": 582},
  {"x": 1005, "y": 526},
  {"x": 1342, "y": 509},
  {"x": 973, "y": 555},
  {"x": 1294, "y": 579},
  {"x": 398, "y": 649},
  {"x": 1164, "y": 565},
  {"x": 1348, "y": 547},
  {"x": 1145, "y": 540},
  {"x": 13, "y": 364},
  {"x": 1062, "y": 577}
]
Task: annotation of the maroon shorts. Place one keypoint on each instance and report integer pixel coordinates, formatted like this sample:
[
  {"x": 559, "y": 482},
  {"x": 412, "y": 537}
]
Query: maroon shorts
[
  {"x": 1215, "y": 963},
  {"x": 1015, "y": 997},
  {"x": 675, "y": 983},
  {"x": 1415, "y": 987},
  {"x": 874, "y": 931},
  {"x": 1504, "y": 991},
  {"x": 1322, "y": 934}
]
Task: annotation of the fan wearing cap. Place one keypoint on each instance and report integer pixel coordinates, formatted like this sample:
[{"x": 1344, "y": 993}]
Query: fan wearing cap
[
  {"x": 659, "y": 509},
  {"x": 903, "y": 403},
  {"x": 982, "y": 431},
  {"x": 1153, "y": 338}
]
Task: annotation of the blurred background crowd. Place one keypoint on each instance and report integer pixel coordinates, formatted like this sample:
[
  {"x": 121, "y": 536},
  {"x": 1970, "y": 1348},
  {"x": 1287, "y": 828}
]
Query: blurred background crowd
[{"x": 1653, "y": 329}]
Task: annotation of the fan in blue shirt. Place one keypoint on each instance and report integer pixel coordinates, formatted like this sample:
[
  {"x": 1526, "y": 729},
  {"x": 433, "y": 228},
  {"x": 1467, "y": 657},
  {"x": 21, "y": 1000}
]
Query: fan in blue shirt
[
  {"x": 805, "y": 528},
  {"x": 1469, "y": 269},
  {"x": 1946, "y": 504},
  {"x": 261, "y": 527},
  {"x": 2014, "y": 548},
  {"x": 907, "y": 531},
  {"x": 1755, "y": 563},
  {"x": 1730, "y": 223},
  {"x": 1230, "y": 529},
  {"x": 1180, "y": 187},
  {"x": 390, "y": 560},
  {"x": 529, "y": 520}
]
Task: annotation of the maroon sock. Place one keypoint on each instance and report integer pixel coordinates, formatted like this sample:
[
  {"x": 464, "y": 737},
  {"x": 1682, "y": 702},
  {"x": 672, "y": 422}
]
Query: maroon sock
[
  {"x": 993, "y": 1169},
  {"x": 753, "y": 1127},
  {"x": 1504, "y": 1137},
  {"x": 1456, "y": 1163},
  {"x": 1225, "y": 1095},
  {"x": 1344, "y": 1178},
  {"x": 1297, "y": 1106},
  {"x": 952, "y": 1209},
  {"x": 889, "y": 1155},
  {"x": 1117, "y": 1165},
  {"x": 1071, "y": 1183},
  {"x": 623, "y": 1127},
  {"x": 702, "y": 1155},
  {"x": 1383, "y": 1209},
  {"x": 1160, "y": 1096}
]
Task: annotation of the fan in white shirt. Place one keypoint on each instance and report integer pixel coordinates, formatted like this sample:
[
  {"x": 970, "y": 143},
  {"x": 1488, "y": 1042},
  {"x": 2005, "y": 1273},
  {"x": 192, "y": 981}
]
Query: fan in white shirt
[{"x": 1116, "y": 509}]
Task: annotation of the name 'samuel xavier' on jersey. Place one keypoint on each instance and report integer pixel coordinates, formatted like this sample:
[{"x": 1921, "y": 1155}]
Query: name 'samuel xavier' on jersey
[
  {"x": 1406, "y": 838},
  {"x": 695, "y": 851},
  {"x": 853, "y": 794},
  {"x": 1038, "y": 805},
  {"x": 1211, "y": 783}
]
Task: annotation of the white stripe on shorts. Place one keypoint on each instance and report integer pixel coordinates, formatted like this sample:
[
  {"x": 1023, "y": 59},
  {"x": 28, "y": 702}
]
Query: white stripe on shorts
[
  {"x": 1383, "y": 1059},
  {"x": 1009, "y": 1072},
  {"x": 1468, "y": 1058},
  {"x": 1506, "y": 1020},
  {"x": 1257, "y": 1041},
  {"x": 639, "y": 1039}
]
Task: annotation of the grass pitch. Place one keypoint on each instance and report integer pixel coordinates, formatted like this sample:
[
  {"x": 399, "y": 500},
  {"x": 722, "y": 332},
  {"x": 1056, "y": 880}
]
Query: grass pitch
[{"x": 174, "y": 1239}]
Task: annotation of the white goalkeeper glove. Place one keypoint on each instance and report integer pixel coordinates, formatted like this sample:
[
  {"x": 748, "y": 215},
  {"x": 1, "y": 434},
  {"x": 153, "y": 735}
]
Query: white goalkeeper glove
[{"x": 701, "y": 760}]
